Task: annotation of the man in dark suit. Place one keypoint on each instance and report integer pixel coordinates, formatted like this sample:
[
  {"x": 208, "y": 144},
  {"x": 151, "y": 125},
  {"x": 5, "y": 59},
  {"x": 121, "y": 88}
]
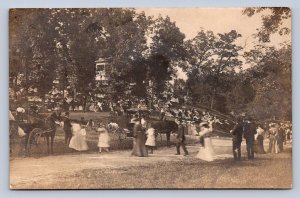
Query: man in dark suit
[
  {"x": 249, "y": 133},
  {"x": 67, "y": 128},
  {"x": 237, "y": 138},
  {"x": 181, "y": 139}
]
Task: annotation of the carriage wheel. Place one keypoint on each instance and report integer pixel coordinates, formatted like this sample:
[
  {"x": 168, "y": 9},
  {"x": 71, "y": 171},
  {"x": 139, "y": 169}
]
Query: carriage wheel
[{"x": 34, "y": 138}]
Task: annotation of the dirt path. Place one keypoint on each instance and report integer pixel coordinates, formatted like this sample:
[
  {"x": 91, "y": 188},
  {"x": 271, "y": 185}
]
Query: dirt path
[
  {"x": 24, "y": 170},
  {"x": 34, "y": 172}
]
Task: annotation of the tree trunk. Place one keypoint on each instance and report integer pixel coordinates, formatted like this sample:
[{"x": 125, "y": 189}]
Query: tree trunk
[
  {"x": 213, "y": 99},
  {"x": 74, "y": 93},
  {"x": 84, "y": 103}
]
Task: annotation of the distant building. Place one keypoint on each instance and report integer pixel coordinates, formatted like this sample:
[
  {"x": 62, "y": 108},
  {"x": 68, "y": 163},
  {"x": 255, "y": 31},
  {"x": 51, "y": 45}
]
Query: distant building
[{"x": 102, "y": 71}]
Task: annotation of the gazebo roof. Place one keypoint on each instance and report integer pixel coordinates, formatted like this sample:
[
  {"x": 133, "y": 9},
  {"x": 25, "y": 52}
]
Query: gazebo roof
[{"x": 101, "y": 60}]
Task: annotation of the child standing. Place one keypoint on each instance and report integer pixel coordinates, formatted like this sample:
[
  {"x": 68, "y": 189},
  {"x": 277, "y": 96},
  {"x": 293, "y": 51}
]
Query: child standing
[
  {"x": 150, "y": 143},
  {"x": 103, "y": 142}
]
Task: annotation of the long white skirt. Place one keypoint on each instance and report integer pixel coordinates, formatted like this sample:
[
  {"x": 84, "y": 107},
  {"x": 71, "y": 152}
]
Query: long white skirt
[
  {"x": 206, "y": 152},
  {"x": 78, "y": 141}
]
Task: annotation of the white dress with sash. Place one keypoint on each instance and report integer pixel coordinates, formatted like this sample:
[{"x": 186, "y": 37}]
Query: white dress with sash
[
  {"x": 206, "y": 152},
  {"x": 78, "y": 140}
]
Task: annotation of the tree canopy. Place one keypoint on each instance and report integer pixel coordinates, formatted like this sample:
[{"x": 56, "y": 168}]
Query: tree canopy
[{"x": 144, "y": 52}]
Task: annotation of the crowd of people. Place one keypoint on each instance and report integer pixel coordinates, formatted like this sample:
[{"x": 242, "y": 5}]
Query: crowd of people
[
  {"x": 255, "y": 133},
  {"x": 190, "y": 122},
  {"x": 144, "y": 136}
]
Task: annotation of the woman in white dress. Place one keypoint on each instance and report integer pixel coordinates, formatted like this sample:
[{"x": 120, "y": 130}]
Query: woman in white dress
[
  {"x": 78, "y": 140},
  {"x": 206, "y": 151}
]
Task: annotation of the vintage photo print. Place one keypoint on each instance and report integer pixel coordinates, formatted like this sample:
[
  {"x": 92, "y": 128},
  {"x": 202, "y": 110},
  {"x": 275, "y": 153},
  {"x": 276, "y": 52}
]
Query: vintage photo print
[{"x": 150, "y": 98}]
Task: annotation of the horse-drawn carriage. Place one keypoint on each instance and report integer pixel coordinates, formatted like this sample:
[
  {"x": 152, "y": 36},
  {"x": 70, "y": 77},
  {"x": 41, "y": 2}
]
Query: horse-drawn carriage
[{"x": 36, "y": 131}]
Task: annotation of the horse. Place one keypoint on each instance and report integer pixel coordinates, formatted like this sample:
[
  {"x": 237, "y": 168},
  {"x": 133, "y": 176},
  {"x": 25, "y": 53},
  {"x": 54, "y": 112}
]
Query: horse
[
  {"x": 47, "y": 128},
  {"x": 165, "y": 127},
  {"x": 50, "y": 130}
]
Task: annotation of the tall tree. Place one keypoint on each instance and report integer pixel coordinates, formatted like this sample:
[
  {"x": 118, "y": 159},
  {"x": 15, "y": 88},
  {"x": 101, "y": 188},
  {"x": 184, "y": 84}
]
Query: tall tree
[
  {"x": 166, "y": 48},
  {"x": 271, "y": 77},
  {"x": 167, "y": 39},
  {"x": 32, "y": 49},
  {"x": 212, "y": 61},
  {"x": 126, "y": 44}
]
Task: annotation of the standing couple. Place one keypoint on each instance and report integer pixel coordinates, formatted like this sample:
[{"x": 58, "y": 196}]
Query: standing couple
[
  {"x": 247, "y": 130},
  {"x": 75, "y": 134},
  {"x": 139, "y": 138},
  {"x": 206, "y": 151}
]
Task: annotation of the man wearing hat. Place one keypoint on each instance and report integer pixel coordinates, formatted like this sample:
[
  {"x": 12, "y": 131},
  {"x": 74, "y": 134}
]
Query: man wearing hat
[
  {"x": 180, "y": 139},
  {"x": 249, "y": 135},
  {"x": 237, "y": 138},
  {"x": 67, "y": 128}
]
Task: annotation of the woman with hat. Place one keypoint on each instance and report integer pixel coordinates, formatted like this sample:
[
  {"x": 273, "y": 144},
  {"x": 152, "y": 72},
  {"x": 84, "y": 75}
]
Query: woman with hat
[
  {"x": 139, "y": 148},
  {"x": 273, "y": 131},
  {"x": 259, "y": 140},
  {"x": 78, "y": 140},
  {"x": 206, "y": 151}
]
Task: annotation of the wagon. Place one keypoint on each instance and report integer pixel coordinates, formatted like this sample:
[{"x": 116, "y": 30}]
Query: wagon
[{"x": 43, "y": 129}]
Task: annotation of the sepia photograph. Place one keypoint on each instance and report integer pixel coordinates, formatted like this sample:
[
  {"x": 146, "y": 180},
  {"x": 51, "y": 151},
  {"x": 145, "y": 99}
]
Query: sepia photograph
[{"x": 150, "y": 98}]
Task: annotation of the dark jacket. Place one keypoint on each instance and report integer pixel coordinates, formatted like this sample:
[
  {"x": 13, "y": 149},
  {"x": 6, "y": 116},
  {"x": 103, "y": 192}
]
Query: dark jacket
[
  {"x": 180, "y": 133},
  {"x": 249, "y": 131},
  {"x": 137, "y": 129},
  {"x": 281, "y": 135},
  {"x": 238, "y": 132},
  {"x": 67, "y": 124}
]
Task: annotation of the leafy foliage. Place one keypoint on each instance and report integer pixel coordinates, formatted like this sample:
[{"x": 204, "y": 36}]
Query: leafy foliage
[
  {"x": 271, "y": 22},
  {"x": 271, "y": 76},
  {"x": 211, "y": 63},
  {"x": 144, "y": 52}
]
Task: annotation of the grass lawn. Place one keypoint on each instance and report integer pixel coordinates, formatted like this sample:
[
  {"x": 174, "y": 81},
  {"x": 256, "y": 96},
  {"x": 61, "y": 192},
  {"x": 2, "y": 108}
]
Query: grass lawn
[{"x": 266, "y": 171}]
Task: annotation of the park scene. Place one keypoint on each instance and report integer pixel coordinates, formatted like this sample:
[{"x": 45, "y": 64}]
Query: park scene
[{"x": 150, "y": 98}]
